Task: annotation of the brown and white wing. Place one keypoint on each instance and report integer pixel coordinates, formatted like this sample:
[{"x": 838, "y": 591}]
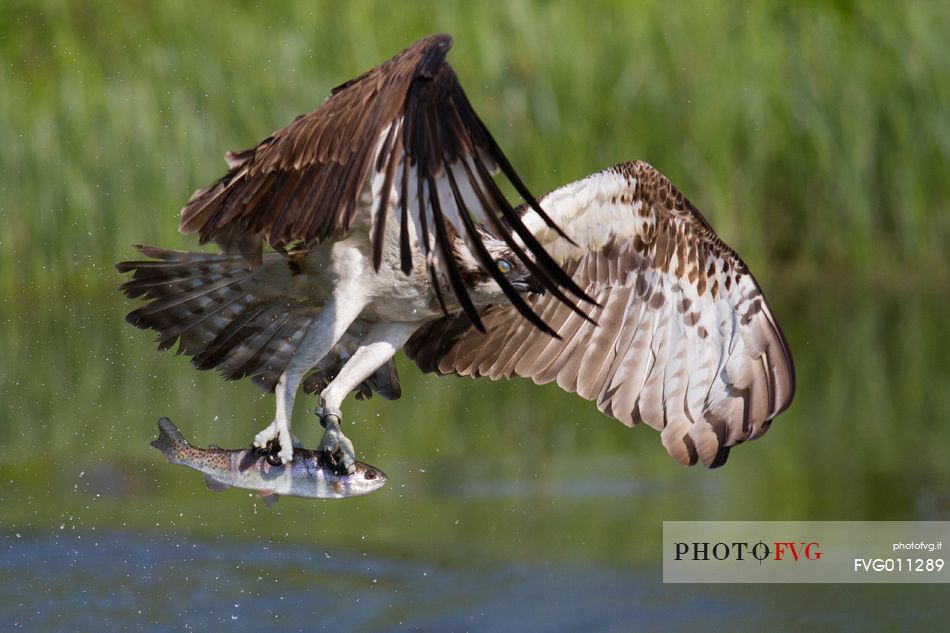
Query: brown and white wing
[
  {"x": 684, "y": 342},
  {"x": 400, "y": 143}
]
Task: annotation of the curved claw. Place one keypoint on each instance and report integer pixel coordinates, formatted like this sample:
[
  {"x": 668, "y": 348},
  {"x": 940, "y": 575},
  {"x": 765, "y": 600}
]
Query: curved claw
[
  {"x": 272, "y": 436},
  {"x": 271, "y": 454},
  {"x": 286, "y": 453}
]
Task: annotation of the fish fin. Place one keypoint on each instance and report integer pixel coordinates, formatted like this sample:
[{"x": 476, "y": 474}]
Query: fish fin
[
  {"x": 169, "y": 438},
  {"x": 269, "y": 499},
  {"x": 214, "y": 485}
]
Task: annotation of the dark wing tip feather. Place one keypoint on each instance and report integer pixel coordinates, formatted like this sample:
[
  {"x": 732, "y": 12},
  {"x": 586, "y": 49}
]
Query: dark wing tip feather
[
  {"x": 445, "y": 248},
  {"x": 481, "y": 253},
  {"x": 514, "y": 218},
  {"x": 443, "y": 133}
]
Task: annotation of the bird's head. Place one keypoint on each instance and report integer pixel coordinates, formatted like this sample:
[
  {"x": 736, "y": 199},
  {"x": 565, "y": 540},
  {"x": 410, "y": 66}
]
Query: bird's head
[{"x": 482, "y": 286}]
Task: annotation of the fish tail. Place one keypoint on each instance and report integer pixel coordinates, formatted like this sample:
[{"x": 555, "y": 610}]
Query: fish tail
[{"x": 170, "y": 440}]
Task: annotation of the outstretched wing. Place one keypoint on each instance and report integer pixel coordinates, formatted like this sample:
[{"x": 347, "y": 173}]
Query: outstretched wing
[
  {"x": 684, "y": 340},
  {"x": 400, "y": 140}
]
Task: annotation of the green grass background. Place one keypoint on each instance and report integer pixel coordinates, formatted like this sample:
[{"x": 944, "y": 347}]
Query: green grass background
[{"x": 815, "y": 136}]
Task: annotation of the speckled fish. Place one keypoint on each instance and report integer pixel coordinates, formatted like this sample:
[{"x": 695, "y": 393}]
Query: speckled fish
[{"x": 309, "y": 475}]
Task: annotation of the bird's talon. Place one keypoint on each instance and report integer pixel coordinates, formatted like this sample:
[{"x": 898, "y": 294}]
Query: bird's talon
[
  {"x": 267, "y": 435},
  {"x": 286, "y": 453},
  {"x": 271, "y": 454},
  {"x": 335, "y": 445},
  {"x": 277, "y": 444}
]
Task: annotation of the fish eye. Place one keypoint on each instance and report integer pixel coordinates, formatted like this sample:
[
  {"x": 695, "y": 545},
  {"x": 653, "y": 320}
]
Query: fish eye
[{"x": 503, "y": 266}]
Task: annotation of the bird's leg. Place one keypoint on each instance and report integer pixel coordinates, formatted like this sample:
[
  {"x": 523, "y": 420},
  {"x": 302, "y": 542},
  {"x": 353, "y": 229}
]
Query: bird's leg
[
  {"x": 378, "y": 346},
  {"x": 335, "y": 444},
  {"x": 321, "y": 336},
  {"x": 314, "y": 349}
]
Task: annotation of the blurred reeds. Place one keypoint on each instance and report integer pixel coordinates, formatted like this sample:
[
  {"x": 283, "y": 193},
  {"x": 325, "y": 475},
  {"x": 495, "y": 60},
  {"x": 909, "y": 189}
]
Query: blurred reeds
[{"x": 815, "y": 137}]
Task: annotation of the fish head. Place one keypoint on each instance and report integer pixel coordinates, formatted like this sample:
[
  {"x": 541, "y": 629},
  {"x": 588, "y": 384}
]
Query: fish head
[{"x": 365, "y": 480}]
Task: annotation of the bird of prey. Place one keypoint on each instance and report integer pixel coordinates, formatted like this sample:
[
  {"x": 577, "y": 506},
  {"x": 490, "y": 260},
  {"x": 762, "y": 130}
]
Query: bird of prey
[{"x": 387, "y": 230}]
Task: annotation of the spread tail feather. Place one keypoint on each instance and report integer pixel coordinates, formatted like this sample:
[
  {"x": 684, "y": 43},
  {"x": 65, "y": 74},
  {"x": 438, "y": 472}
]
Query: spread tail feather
[
  {"x": 243, "y": 321},
  {"x": 221, "y": 312}
]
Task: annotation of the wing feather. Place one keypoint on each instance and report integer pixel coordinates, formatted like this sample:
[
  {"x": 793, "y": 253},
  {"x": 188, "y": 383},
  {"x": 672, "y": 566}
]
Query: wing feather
[
  {"x": 681, "y": 337},
  {"x": 400, "y": 139}
]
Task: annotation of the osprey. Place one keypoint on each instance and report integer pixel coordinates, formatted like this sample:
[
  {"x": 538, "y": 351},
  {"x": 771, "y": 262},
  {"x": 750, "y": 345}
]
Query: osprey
[{"x": 388, "y": 231}]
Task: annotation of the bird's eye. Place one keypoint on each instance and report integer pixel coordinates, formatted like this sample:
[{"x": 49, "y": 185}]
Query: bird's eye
[{"x": 503, "y": 266}]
